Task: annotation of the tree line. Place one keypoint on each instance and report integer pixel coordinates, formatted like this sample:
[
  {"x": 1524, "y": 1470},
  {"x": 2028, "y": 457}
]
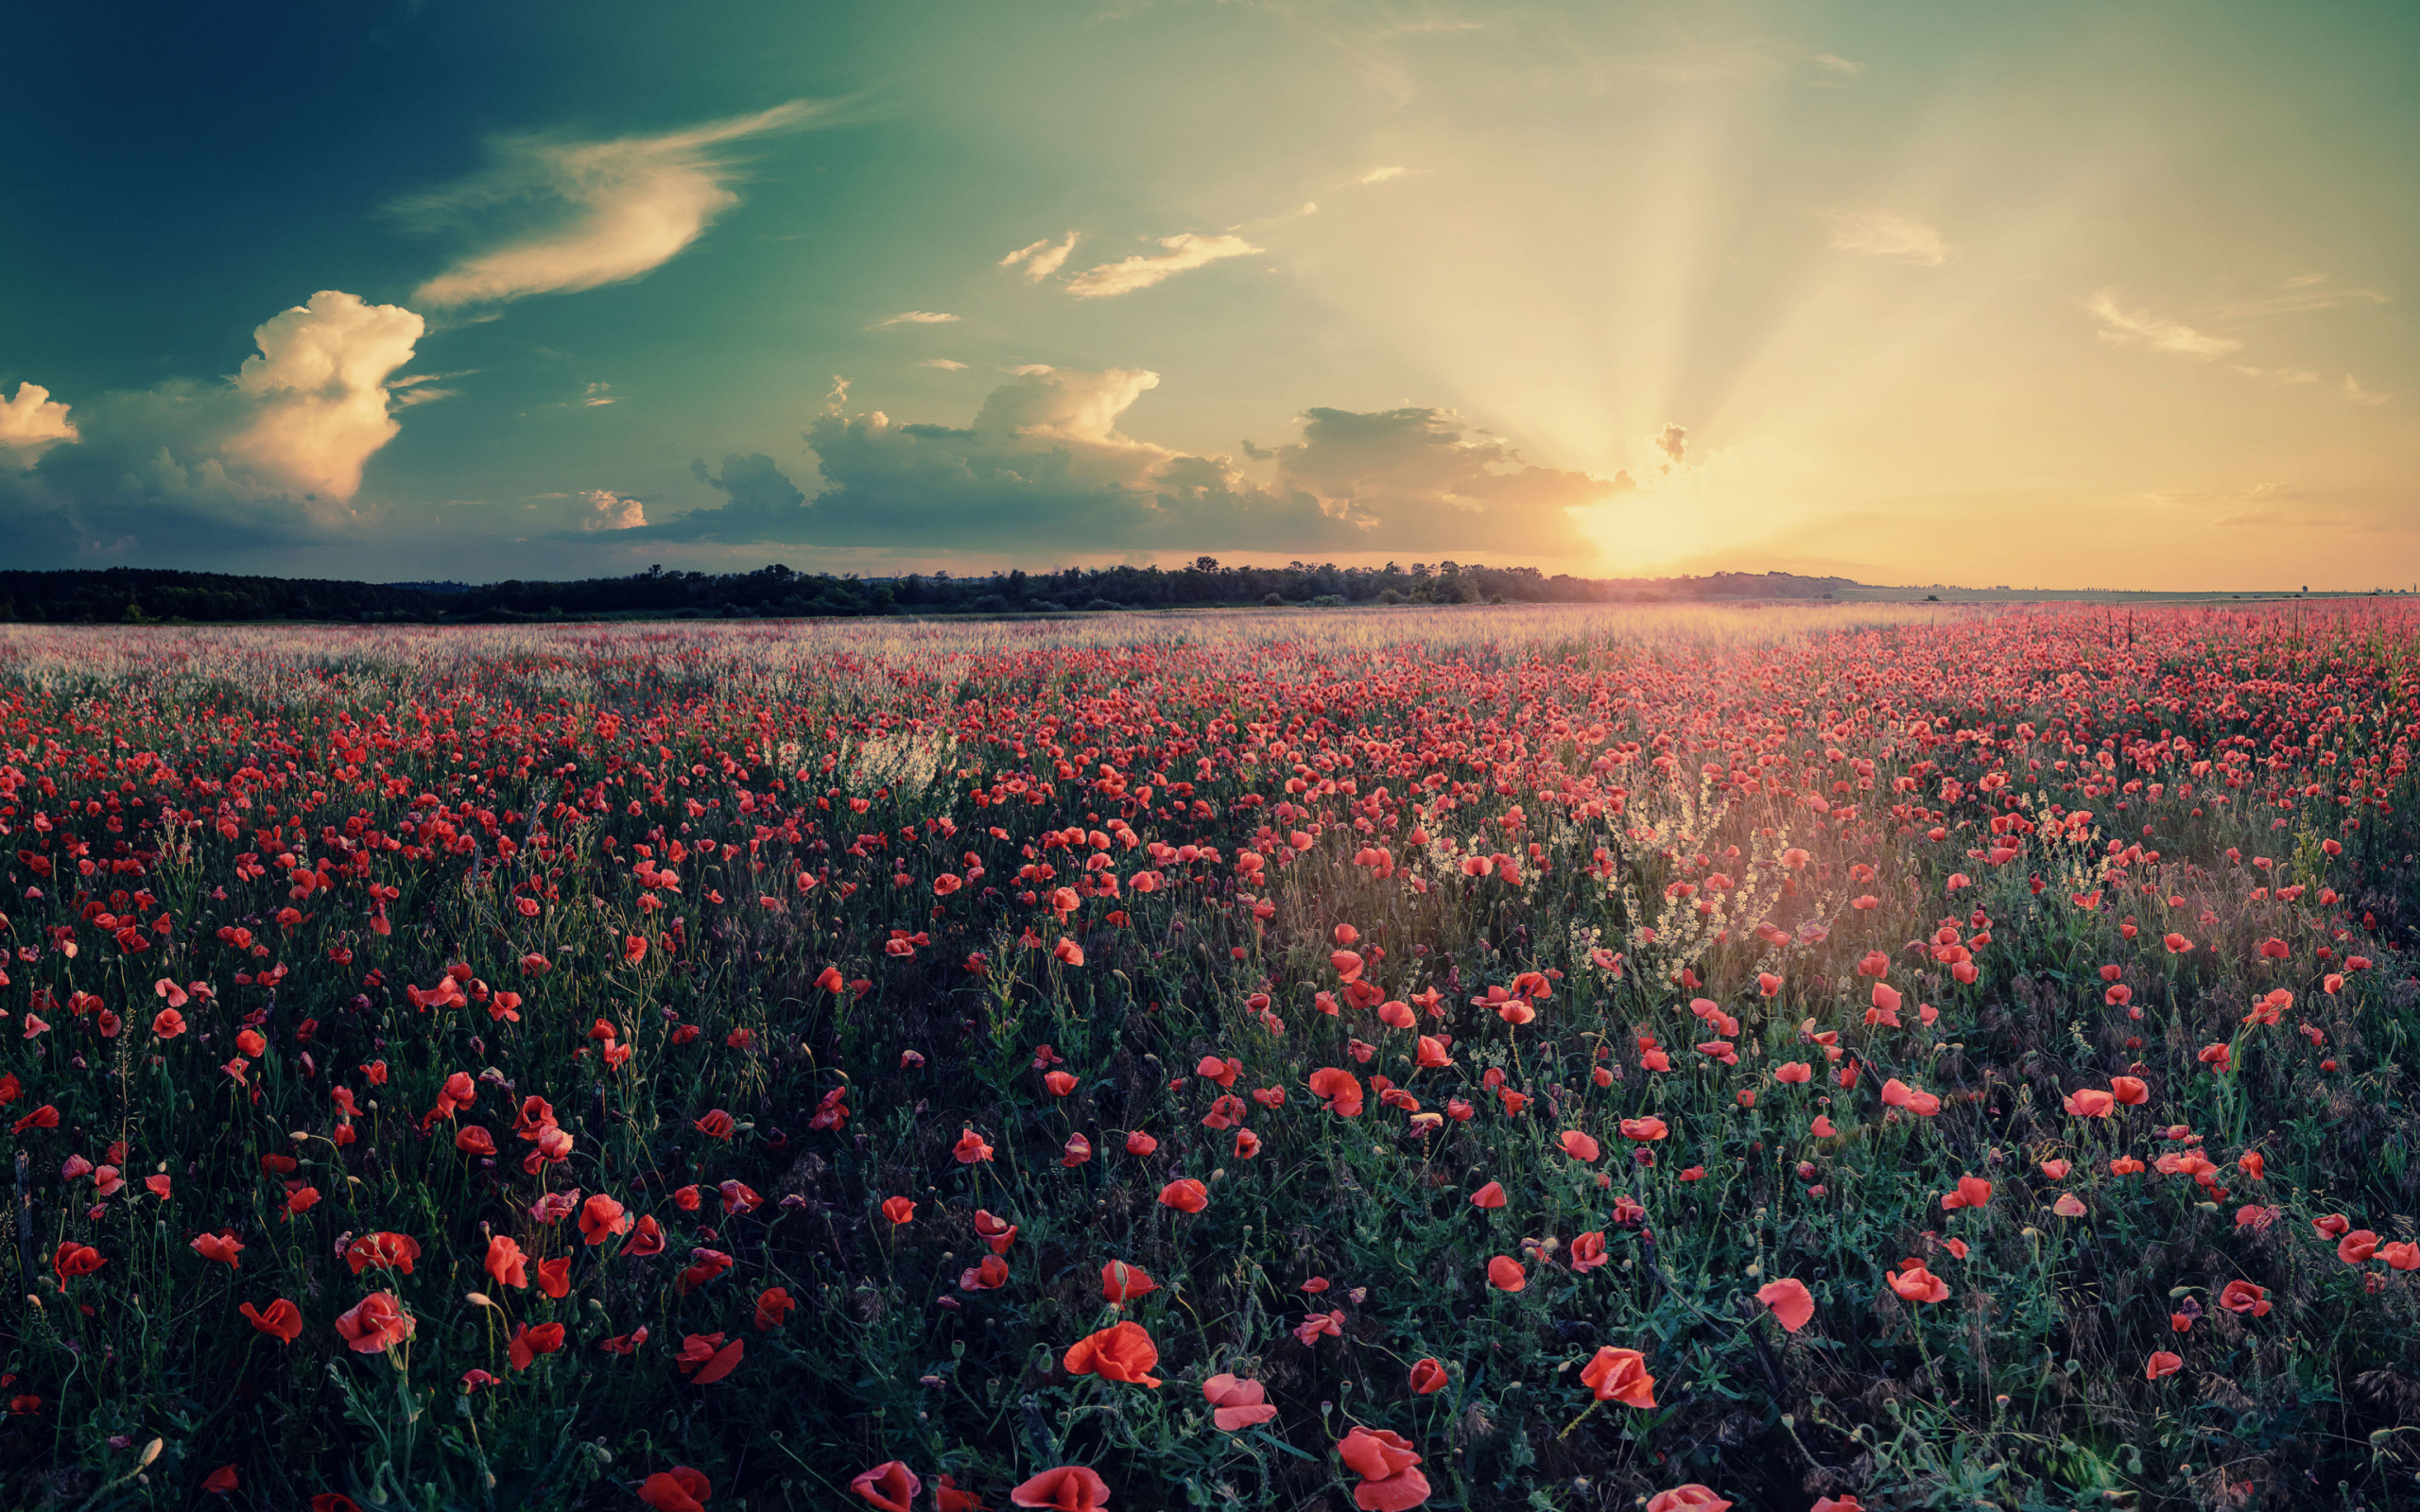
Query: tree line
[{"x": 134, "y": 596}]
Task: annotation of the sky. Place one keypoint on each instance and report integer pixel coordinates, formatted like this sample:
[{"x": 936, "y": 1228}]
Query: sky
[{"x": 2053, "y": 295}]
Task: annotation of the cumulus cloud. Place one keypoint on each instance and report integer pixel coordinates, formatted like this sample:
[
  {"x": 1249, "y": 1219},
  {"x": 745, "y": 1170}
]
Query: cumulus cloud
[
  {"x": 1046, "y": 463},
  {"x": 2123, "y": 327},
  {"x": 604, "y": 509},
  {"x": 1887, "y": 233},
  {"x": 1043, "y": 258},
  {"x": 320, "y": 381},
  {"x": 587, "y": 214},
  {"x": 269, "y": 458},
  {"x": 34, "y": 418},
  {"x": 1186, "y": 251},
  {"x": 915, "y": 317},
  {"x": 1673, "y": 441}
]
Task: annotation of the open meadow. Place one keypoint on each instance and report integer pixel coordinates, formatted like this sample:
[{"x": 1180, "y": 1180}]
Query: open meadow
[{"x": 1858, "y": 1057}]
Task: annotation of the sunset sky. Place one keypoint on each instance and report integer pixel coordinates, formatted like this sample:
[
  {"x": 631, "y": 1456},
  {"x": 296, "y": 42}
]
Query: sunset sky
[{"x": 2052, "y": 295}]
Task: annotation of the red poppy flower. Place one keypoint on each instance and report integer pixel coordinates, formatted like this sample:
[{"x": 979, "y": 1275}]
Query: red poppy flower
[
  {"x": 1390, "y": 1479},
  {"x": 1792, "y": 1304},
  {"x": 72, "y": 1260},
  {"x": 708, "y": 1357},
  {"x": 971, "y": 1148},
  {"x": 1122, "y": 1351},
  {"x": 1065, "y": 1488},
  {"x": 283, "y": 1321},
  {"x": 1644, "y": 1129},
  {"x": 1619, "y": 1375},
  {"x": 529, "y": 1343},
  {"x": 1693, "y": 1497},
  {"x": 1122, "y": 1282},
  {"x": 2162, "y": 1362},
  {"x": 220, "y": 1481},
  {"x": 1490, "y": 1195},
  {"x": 381, "y": 1251},
  {"x": 1505, "y": 1274},
  {"x": 376, "y": 1322},
  {"x": 1237, "y": 1404},
  {"x": 898, "y": 1209},
  {"x": 678, "y": 1489},
  {"x": 1186, "y": 1194},
  {"x": 1918, "y": 1284},
  {"x": 2244, "y": 1297},
  {"x": 889, "y": 1485},
  {"x": 224, "y": 1248}
]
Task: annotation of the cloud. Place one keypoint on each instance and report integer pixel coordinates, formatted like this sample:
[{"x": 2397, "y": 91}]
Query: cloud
[
  {"x": 2360, "y": 395},
  {"x": 604, "y": 509},
  {"x": 1673, "y": 441},
  {"x": 34, "y": 418},
  {"x": 1041, "y": 258},
  {"x": 915, "y": 317},
  {"x": 1044, "y": 465},
  {"x": 2123, "y": 327},
  {"x": 594, "y": 394},
  {"x": 1887, "y": 233},
  {"x": 590, "y": 213},
  {"x": 321, "y": 383},
  {"x": 1841, "y": 69},
  {"x": 2302, "y": 294},
  {"x": 270, "y": 459},
  {"x": 944, "y": 364},
  {"x": 1186, "y": 251},
  {"x": 1383, "y": 175}
]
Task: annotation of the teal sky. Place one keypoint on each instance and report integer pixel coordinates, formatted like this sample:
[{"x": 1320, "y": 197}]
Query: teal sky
[{"x": 2050, "y": 295}]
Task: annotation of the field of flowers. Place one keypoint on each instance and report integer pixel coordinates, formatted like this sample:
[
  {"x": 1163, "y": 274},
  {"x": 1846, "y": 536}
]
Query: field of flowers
[{"x": 1559, "y": 1059}]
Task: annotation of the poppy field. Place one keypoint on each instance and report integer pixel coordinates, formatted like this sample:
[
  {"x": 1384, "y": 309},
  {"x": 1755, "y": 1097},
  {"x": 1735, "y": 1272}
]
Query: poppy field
[{"x": 1807, "y": 1058}]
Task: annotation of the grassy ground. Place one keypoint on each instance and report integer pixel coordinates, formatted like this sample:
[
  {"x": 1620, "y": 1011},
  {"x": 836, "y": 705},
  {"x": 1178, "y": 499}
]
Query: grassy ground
[{"x": 1517, "y": 987}]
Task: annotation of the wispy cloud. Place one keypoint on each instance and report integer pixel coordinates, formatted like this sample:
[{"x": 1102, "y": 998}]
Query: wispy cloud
[
  {"x": 1887, "y": 233},
  {"x": 1041, "y": 258},
  {"x": 1186, "y": 251},
  {"x": 2125, "y": 327},
  {"x": 591, "y": 212},
  {"x": 1384, "y": 175},
  {"x": 2301, "y": 294},
  {"x": 1838, "y": 69},
  {"x": 944, "y": 364},
  {"x": 915, "y": 317},
  {"x": 2354, "y": 391}
]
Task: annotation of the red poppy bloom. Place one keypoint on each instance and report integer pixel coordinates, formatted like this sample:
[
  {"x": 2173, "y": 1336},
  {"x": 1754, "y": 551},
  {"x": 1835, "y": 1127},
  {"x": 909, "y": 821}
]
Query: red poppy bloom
[
  {"x": 898, "y": 1209},
  {"x": 1918, "y": 1284},
  {"x": 1065, "y": 1488},
  {"x": 1122, "y": 1282},
  {"x": 1790, "y": 1301},
  {"x": 1619, "y": 1375},
  {"x": 1186, "y": 1194},
  {"x": 376, "y": 1322},
  {"x": 506, "y": 1263},
  {"x": 1644, "y": 1129},
  {"x": 72, "y": 1260},
  {"x": 381, "y": 1251},
  {"x": 678, "y": 1489},
  {"x": 221, "y": 1481},
  {"x": 1693, "y": 1497},
  {"x": 1505, "y": 1274},
  {"x": 705, "y": 1359},
  {"x": 224, "y": 1248},
  {"x": 529, "y": 1343},
  {"x": 2162, "y": 1362},
  {"x": 1427, "y": 1377},
  {"x": 971, "y": 1148},
  {"x": 1122, "y": 1351},
  {"x": 2244, "y": 1297},
  {"x": 282, "y": 1321},
  {"x": 1237, "y": 1404},
  {"x": 1391, "y": 1481},
  {"x": 775, "y": 1306},
  {"x": 1490, "y": 1195},
  {"x": 602, "y": 1218},
  {"x": 889, "y": 1485}
]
